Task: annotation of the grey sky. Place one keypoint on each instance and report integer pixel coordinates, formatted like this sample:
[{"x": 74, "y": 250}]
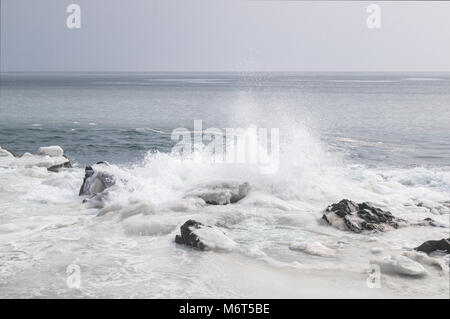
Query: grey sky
[{"x": 197, "y": 35}]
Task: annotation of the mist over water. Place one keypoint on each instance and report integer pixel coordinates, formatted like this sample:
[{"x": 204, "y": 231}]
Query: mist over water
[
  {"x": 383, "y": 138},
  {"x": 385, "y": 117}
]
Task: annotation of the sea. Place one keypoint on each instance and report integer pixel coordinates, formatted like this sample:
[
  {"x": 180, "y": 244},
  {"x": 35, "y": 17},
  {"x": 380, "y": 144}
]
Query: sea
[{"x": 383, "y": 138}]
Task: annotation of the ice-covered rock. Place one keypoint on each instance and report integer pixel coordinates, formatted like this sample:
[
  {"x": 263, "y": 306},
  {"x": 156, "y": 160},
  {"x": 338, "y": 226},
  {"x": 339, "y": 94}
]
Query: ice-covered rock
[
  {"x": 424, "y": 259},
  {"x": 430, "y": 246},
  {"x": 221, "y": 193},
  {"x": 348, "y": 215},
  {"x": 203, "y": 237},
  {"x": 5, "y": 153},
  {"x": 53, "y": 151},
  {"x": 400, "y": 265},
  {"x": 96, "y": 180},
  {"x": 313, "y": 248},
  {"x": 42, "y": 159}
]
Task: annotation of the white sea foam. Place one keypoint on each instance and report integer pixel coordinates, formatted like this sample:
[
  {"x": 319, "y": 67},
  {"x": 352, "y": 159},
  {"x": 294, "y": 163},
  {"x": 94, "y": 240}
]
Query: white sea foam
[{"x": 130, "y": 241}]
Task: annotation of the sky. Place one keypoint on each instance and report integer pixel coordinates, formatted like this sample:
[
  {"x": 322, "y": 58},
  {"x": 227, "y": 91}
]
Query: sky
[{"x": 215, "y": 35}]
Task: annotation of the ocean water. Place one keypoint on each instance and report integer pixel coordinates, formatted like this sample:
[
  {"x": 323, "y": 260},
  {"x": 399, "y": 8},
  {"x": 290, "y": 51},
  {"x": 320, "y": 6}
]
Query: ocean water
[{"x": 383, "y": 138}]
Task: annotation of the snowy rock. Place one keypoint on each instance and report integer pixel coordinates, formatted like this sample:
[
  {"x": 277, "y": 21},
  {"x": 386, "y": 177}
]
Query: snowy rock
[
  {"x": 188, "y": 237},
  {"x": 96, "y": 181},
  {"x": 400, "y": 265},
  {"x": 28, "y": 160},
  {"x": 221, "y": 193},
  {"x": 435, "y": 245},
  {"x": 203, "y": 237},
  {"x": 348, "y": 215},
  {"x": 424, "y": 259},
  {"x": 313, "y": 248},
  {"x": 52, "y": 151}
]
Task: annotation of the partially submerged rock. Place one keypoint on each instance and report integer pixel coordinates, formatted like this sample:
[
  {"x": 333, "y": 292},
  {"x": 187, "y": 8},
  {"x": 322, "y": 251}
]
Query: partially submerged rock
[
  {"x": 188, "y": 237},
  {"x": 348, "y": 215},
  {"x": 203, "y": 237},
  {"x": 400, "y": 265},
  {"x": 430, "y": 246},
  {"x": 221, "y": 193},
  {"x": 96, "y": 181}
]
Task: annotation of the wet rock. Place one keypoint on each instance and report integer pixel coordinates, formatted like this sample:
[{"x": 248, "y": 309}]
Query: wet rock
[
  {"x": 430, "y": 246},
  {"x": 188, "y": 237},
  {"x": 400, "y": 265},
  {"x": 96, "y": 181},
  {"x": 221, "y": 193},
  {"x": 344, "y": 207},
  {"x": 348, "y": 215}
]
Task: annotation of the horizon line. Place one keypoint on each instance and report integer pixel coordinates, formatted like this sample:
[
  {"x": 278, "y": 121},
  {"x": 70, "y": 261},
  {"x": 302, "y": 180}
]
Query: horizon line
[{"x": 226, "y": 71}]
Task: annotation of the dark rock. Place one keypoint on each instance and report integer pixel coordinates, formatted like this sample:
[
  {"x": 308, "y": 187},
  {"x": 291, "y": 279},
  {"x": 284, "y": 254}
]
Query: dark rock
[
  {"x": 353, "y": 224},
  {"x": 433, "y": 245},
  {"x": 96, "y": 181},
  {"x": 348, "y": 215},
  {"x": 188, "y": 237},
  {"x": 343, "y": 208}
]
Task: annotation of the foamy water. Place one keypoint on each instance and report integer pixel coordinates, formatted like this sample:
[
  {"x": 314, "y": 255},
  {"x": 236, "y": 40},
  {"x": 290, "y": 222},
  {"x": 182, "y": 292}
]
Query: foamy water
[{"x": 126, "y": 248}]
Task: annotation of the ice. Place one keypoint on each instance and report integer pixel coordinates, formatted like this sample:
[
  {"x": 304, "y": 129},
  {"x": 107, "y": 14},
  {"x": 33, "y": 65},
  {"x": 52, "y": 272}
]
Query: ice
[
  {"x": 215, "y": 239},
  {"x": 401, "y": 265},
  {"x": 5, "y": 153},
  {"x": 53, "y": 151},
  {"x": 313, "y": 248}
]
